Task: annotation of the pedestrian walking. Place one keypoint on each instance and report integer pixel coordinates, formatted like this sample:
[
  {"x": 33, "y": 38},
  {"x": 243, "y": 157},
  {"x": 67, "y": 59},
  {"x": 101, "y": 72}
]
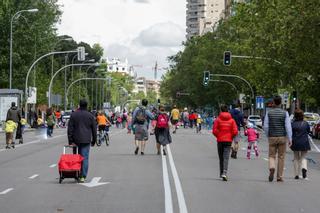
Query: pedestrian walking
[
  {"x": 175, "y": 116},
  {"x": 300, "y": 144},
  {"x": 277, "y": 127},
  {"x": 225, "y": 129},
  {"x": 253, "y": 136},
  {"x": 140, "y": 122},
  {"x": 199, "y": 123},
  {"x": 162, "y": 130},
  {"x": 82, "y": 131},
  {"x": 238, "y": 117},
  {"x": 13, "y": 116},
  {"x": 50, "y": 119},
  {"x": 185, "y": 117}
]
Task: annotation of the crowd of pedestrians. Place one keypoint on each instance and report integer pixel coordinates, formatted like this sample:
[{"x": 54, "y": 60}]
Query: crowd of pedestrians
[{"x": 280, "y": 131}]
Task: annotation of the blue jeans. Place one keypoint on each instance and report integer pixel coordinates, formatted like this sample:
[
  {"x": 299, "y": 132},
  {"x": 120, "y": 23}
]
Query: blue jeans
[{"x": 84, "y": 152}]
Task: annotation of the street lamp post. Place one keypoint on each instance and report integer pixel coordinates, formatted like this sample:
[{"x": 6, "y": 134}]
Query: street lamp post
[
  {"x": 54, "y": 46},
  {"x": 11, "y": 40}
]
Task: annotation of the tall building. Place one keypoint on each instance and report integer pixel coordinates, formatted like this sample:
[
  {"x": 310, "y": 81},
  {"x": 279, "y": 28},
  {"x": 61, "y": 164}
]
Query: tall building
[
  {"x": 202, "y": 15},
  {"x": 116, "y": 65}
]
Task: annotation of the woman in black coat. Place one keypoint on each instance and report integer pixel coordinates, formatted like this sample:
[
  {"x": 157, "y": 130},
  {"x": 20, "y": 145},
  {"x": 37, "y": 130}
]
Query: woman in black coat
[
  {"x": 300, "y": 143},
  {"x": 162, "y": 130}
]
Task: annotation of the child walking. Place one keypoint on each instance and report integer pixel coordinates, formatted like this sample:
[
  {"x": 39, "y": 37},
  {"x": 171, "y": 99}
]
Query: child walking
[{"x": 253, "y": 136}]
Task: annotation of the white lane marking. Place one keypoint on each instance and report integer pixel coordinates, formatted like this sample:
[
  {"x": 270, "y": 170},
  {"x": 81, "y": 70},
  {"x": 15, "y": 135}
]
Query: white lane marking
[
  {"x": 243, "y": 148},
  {"x": 94, "y": 182},
  {"x": 53, "y": 165},
  {"x": 315, "y": 146},
  {"x": 166, "y": 184},
  {"x": 266, "y": 159},
  {"x": 31, "y": 142},
  {"x": 6, "y": 191},
  {"x": 177, "y": 183},
  {"x": 33, "y": 176}
]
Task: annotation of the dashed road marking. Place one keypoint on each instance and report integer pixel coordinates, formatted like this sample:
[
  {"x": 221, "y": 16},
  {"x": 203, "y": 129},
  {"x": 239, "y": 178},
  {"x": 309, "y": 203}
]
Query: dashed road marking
[
  {"x": 53, "y": 165},
  {"x": 266, "y": 159},
  {"x": 33, "y": 176},
  {"x": 6, "y": 191}
]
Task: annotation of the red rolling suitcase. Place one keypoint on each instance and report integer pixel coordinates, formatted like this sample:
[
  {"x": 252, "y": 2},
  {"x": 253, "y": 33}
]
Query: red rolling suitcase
[{"x": 69, "y": 164}]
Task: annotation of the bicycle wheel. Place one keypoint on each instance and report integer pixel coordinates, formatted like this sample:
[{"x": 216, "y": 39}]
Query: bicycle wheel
[
  {"x": 106, "y": 137},
  {"x": 99, "y": 140}
]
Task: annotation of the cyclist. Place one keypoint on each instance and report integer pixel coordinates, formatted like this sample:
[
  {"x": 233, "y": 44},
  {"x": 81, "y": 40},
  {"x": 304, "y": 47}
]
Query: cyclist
[{"x": 103, "y": 123}]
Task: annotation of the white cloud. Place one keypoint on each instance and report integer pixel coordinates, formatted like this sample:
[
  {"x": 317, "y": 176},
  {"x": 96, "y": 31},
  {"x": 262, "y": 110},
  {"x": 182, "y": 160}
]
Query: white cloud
[{"x": 144, "y": 31}]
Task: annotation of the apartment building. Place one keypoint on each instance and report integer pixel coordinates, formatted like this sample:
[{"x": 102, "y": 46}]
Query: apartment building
[{"x": 202, "y": 15}]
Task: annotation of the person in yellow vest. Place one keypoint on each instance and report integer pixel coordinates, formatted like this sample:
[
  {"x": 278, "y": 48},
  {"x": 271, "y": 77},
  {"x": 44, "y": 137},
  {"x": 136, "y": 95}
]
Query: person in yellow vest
[{"x": 175, "y": 116}]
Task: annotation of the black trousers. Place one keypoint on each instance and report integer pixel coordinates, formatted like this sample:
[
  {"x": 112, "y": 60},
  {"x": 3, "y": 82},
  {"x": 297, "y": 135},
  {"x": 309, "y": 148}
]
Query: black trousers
[{"x": 224, "y": 154}]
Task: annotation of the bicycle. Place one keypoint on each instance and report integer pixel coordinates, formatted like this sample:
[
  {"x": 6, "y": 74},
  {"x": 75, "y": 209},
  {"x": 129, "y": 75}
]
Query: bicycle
[{"x": 103, "y": 136}]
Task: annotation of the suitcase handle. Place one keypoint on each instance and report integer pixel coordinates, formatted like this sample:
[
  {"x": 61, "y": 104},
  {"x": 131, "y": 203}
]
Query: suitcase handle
[{"x": 69, "y": 146}]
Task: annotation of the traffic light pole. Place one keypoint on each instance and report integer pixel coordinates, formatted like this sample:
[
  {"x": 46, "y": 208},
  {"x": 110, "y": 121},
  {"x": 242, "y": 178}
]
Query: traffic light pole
[
  {"x": 228, "y": 82},
  {"x": 254, "y": 57},
  {"x": 239, "y": 77}
]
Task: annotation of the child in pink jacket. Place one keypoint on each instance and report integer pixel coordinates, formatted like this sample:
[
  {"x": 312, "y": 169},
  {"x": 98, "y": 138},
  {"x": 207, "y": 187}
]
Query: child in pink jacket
[{"x": 253, "y": 136}]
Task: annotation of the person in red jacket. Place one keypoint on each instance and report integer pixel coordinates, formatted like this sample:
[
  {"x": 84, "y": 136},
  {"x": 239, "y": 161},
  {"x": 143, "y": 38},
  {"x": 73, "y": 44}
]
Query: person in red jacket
[{"x": 225, "y": 129}]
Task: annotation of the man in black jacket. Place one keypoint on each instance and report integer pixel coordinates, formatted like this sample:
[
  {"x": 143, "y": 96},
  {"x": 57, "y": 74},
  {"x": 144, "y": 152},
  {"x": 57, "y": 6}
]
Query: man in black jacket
[{"x": 82, "y": 130}]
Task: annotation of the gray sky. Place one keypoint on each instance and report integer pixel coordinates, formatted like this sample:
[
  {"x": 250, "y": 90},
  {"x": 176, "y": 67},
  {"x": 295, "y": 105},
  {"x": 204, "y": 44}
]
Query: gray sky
[{"x": 144, "y": 31}]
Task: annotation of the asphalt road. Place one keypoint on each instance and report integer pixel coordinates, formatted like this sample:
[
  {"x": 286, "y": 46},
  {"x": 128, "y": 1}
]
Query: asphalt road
[{"x": 186, "y": 180}]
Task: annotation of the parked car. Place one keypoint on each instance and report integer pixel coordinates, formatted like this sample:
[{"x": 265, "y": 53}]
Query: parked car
[
  {"x": 311, "y": 118},
  {"x": 315, "y": 130},
  {"x": 255, "y": 120}
]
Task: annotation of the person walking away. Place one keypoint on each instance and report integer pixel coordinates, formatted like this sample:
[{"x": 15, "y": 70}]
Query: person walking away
[
  {"x": 175, "y": 116},
  {"x": 199, "y": 123},
  {"x": 253, "y": 136},
  {"x": 13, "y": 115},
  {"x": 50, "y": 122},
  {"x": 238, "y": 117},
  {"x": 162, "y": 130},
  {"x": 58, "y": 118},
  {"x": 191, "y": 119},
  {"x": 22, "y": 124},
  {"x": 278, "y": 129},
  {"x": 82, "y": 130},
  {"x": 124, "y": 119},
  {"x": 224, "y": 129},
  {"x": 140, "y": 122},
  {"x": 185, "y": 117},
  {"x": 300, "y": 144}
]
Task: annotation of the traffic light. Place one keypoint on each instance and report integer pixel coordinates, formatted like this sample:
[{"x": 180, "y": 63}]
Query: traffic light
[
  {"x": 206, "y": 78},
  {"x": 227, "y": 58},
  {"x": 294, "y": 95}
]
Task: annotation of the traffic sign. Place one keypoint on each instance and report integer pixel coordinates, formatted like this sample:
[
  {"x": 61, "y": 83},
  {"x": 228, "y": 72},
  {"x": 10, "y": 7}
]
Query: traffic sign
[{"x": 259, "y": 102}]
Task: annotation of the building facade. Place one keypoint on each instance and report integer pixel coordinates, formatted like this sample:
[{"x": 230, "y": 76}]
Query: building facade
[
  {"x": 116, "y": 65},
  {"x": 202, "y": 15}
]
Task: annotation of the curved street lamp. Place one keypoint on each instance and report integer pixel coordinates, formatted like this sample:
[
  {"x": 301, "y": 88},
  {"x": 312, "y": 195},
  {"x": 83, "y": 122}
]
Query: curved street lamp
[{"x": 11, "y": 40}]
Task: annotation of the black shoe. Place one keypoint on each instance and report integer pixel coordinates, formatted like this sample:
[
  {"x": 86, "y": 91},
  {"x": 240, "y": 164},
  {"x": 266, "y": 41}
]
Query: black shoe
[
  {"x": 164, "y": 152},
  {"x": 296, "y": 177},
  {"x": 12, "y": 145},
  {"x": 136, "y": 151},
  {"x": 271, "y": 175},
  {"x": 142, "y": 153},
  {"x": 234, "y": 154},
  {"x": 280, "y": 179},
  {"x": 20, "y": 142},
  {"x": 8, "y": 147},
  {"x": 158, "y": 153},
  {"x": 304, "y": 173}
]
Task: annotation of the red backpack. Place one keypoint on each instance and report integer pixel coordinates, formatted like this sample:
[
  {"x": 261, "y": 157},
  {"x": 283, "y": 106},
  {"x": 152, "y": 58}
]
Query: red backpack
[{"x": 162, "y": 121}]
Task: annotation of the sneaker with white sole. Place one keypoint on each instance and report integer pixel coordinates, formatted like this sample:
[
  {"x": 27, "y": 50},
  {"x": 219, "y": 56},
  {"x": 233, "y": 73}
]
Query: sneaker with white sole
[{"x": 224, "y": 177}]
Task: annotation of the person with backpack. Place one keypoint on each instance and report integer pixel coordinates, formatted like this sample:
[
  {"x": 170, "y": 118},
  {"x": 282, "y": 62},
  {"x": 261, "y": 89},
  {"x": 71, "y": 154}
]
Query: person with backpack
[
  {"x": 140, "y": 122},
  {"x": 175, "y": 117},
  {"x": 185, "y": 117},
  {"x": 162, "y": 130}
]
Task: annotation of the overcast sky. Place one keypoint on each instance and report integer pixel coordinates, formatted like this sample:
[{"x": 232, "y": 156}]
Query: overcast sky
[{"x": 144, "y": 31}]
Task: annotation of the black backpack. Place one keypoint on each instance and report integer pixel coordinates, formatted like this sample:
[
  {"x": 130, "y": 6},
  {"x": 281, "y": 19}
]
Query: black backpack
[{"x": 141, "y": 116}]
